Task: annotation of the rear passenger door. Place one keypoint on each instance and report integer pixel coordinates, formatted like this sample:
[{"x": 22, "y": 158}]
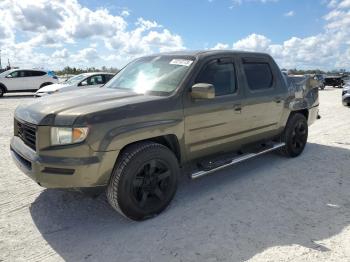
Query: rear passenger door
[
  {"x": 264, "y": 96},
  {"x": 211, "y": 125},
  {"x": 29, "y": 80},
  {"x": 35, "y": 78}
]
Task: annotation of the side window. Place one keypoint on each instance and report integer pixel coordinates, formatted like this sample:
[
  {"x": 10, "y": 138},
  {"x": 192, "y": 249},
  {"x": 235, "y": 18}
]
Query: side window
[
  {"x": 27, "y": 73},
  {"x": 14, "y": 74},
  {"x": 222, "y": 76},
  {"x": 259, "y": 75},
  {"x": 95, "y": 80},
  {"x": 17, "y": 74},
  {"x": 37, "y": 73}
]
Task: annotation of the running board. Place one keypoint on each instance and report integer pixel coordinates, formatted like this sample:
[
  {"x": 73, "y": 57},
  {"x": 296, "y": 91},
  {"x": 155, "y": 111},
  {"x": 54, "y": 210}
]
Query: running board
[{"x": 237, "y": 160}]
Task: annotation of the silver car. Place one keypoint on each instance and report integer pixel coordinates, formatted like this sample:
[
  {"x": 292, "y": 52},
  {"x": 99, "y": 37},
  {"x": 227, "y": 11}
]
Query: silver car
[{"x": 86, "y": 80}]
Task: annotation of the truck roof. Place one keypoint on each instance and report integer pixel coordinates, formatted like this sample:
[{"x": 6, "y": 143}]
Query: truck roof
[{"x": 204, "y": 53}]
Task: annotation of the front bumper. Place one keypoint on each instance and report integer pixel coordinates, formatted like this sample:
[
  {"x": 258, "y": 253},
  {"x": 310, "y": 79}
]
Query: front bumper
[{"x": 63, "y": 172}]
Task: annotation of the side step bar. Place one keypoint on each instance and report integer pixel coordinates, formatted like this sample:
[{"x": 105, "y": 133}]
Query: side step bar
[{"x": 237, "y": 160}]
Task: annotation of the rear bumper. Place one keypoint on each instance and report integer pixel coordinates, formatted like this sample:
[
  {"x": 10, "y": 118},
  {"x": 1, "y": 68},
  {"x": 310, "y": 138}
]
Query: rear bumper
[{"x": 63, "y": 172}]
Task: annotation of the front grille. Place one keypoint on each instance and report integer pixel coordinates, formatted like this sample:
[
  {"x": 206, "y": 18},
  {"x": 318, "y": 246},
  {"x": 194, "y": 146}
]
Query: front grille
[{"x": 27, "y": 132}]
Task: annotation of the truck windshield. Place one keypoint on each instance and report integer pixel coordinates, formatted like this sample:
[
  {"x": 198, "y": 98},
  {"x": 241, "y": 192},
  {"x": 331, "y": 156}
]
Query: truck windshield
[{"x": 160, "y": 74}]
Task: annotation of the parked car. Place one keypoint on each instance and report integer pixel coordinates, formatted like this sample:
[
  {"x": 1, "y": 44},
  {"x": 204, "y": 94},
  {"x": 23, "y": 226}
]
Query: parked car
[
  {"x": 25, "y": 80},
  {"x": 335, "y": 81},
  {"x": 86, "y": 80},
  {"x": 162, "y": 115},
  {"x": 320, "y": 79},
  {"x": 346, "y": 95}
]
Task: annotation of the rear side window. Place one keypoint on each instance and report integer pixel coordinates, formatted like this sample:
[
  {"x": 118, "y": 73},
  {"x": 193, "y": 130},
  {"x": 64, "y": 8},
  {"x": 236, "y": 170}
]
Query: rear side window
[
  {"x": 222, "y": 76},
  {"x": 259, "y": 75},
  {"x": 37, "y": 73}
]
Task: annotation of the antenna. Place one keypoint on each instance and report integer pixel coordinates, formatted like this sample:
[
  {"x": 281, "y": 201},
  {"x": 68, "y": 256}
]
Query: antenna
[{"x": 0, "y": 60}]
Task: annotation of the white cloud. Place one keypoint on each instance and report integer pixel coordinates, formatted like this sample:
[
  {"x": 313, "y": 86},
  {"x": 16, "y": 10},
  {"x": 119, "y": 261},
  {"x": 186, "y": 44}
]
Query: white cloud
[
  {"x": 57, "y": 24},
  {"x": 220, "y": 46},
  {"x": 125, "y": 13},
  {"x": 253, "y": 42},
  {"x": 240, "y": 2},
  {"x": 86, "y": 55},
  {"x": 289, "y": 14},
  {"x": 344, "y": 4},
  {"x": 44, "y": 33},
  {"x": 63, "y": 54},
  {"x": 327, "y": 50}
]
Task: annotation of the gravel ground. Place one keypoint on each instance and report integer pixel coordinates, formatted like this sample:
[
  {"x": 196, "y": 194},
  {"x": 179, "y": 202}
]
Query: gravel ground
[{"x": 266, "y": 209}]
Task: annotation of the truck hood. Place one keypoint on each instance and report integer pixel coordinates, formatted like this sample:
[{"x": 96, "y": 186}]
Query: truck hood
[{"x": 63, "y": 109}]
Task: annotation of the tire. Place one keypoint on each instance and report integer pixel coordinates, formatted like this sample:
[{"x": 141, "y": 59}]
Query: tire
[
  {"x": 2, "y": 91},
  {"x": 295, "y": 135},
  {"x": 144, "y": 181}
]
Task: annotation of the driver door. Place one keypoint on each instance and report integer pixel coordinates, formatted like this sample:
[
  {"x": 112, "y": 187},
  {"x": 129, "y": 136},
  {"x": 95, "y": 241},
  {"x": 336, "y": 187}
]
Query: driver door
[
  {"x": 212, "y": 125},
  {"x": 15, "y": 81}
]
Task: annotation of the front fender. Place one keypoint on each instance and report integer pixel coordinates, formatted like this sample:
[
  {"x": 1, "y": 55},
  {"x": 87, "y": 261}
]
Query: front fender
[{"x": 116, "y": 138}]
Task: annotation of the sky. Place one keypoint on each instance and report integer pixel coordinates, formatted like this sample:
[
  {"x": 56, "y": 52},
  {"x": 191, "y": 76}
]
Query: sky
[{"x": 304, "y": 34}]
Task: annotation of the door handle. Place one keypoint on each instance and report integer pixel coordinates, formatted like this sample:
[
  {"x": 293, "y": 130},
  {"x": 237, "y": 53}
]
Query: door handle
[
  {"x": 237, "y": 108},
  {"x": 278, "y": 99}
]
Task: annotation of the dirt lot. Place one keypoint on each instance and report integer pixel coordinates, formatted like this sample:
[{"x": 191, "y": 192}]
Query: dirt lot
[{"x": 266, "y": 209}]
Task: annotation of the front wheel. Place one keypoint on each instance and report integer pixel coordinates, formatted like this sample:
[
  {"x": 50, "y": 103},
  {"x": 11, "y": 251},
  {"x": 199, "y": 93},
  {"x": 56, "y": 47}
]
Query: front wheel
[
  {"x": 295, "y": 135},
  {"x": 2, "y": 91},
  {"x": 144, "y": 180}
]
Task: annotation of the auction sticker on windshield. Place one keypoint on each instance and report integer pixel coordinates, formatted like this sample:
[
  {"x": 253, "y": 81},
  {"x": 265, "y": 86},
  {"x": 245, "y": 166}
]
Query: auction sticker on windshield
[{"x": 182, "y": 62}]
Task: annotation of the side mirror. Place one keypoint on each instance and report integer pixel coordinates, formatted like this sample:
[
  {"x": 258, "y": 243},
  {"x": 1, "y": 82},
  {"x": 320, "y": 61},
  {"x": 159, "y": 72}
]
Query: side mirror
[
  {"x": 9, "y": 76},
  {"x": 203, "y": 91},
  {"x": 83, "y": 83}
]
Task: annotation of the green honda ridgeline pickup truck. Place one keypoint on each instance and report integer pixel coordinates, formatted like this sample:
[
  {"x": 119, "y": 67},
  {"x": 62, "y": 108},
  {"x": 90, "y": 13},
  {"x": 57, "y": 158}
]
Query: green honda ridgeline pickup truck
[{"x": 160, "y": 116}]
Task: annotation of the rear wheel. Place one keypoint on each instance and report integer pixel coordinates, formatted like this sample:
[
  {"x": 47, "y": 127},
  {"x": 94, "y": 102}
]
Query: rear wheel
[
  {"x": 144, "y": 180},
  {"x": 295, "y": 135}
]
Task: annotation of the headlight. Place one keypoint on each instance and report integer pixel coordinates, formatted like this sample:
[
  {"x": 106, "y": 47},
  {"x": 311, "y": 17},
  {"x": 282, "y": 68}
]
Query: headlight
[{"x": 68, "y": 135}]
